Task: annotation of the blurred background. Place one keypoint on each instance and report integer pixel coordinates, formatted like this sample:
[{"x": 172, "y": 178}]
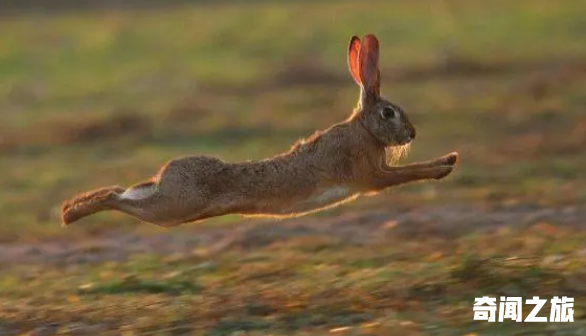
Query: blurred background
[{"x": 96, "y": 93}]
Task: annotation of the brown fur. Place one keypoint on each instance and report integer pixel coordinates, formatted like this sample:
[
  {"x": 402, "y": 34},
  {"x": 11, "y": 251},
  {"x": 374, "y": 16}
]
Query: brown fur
[{"x": 331, "y": 167}]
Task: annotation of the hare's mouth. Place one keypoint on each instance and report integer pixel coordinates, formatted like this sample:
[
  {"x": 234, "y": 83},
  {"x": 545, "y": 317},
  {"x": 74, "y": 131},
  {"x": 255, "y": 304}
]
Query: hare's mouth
[
  {"x": 404, "y": 142},
  {"x": 409, "y": 136},
  {"x": 407, "y": 141}
]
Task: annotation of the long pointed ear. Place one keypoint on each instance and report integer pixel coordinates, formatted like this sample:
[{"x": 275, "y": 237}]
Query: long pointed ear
[
  {"x": 353, "y": 63},
  {"x": 368, "y": 59}
]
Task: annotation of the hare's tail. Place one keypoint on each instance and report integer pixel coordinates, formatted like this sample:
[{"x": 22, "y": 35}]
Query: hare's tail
[{"x": 88, "y": 203}]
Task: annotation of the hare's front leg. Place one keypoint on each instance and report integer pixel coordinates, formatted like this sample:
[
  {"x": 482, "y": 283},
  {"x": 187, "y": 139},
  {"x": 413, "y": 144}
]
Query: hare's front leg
[
  {"x": 446, "y": 160},
  {"x": 384, "y": 179}
]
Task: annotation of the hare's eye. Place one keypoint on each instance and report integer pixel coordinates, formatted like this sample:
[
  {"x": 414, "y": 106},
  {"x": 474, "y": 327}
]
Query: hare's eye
[{"x": 388, "y": 112}]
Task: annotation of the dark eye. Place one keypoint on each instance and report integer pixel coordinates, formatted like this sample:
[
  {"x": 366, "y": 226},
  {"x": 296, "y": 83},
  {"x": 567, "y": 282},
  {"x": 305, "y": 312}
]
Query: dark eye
[{"x": 388, "y": 112}]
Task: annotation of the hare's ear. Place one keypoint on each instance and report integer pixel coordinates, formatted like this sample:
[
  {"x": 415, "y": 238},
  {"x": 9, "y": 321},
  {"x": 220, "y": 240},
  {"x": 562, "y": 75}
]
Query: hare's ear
[
  {"x": 368, "y": 59},
  {"x": 353, "y": 63}
]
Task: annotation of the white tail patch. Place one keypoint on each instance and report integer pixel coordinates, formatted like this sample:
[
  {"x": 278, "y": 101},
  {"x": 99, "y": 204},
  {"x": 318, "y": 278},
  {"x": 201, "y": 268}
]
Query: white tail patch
[{"x": 138, "y": 193}]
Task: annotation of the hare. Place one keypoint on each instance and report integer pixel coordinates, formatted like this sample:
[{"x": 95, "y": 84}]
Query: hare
[{"x": 331, "y": 167}]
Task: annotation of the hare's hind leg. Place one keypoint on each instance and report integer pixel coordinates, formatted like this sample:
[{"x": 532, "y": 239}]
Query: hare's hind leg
[
  {"x": 159, "y": 204},
  {"x": 142, "y": 201},
  {"x": 167, "y": 210},
  {"x": 184, "y": 190},
  {"x": 179, "y": 193},
  {"x": 89, "y": 203},
  {"x": 146, "y": 202}
]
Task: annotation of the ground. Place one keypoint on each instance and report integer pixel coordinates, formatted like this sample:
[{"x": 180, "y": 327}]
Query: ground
[{"x": 106, "y": 95}]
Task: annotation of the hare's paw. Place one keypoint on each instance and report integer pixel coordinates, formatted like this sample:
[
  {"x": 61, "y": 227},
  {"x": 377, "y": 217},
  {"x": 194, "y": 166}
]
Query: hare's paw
[
  {"x": 443, "y": 171},
  {"x": 449, "y": 159}
]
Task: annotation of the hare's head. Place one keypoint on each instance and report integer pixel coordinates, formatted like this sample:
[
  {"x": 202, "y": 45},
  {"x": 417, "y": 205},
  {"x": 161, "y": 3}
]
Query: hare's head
[{"x": 384, "y": 120}]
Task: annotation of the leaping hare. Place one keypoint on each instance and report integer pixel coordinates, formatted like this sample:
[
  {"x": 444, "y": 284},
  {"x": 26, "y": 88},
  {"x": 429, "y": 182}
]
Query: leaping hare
[{"x": 329, "y": 168}]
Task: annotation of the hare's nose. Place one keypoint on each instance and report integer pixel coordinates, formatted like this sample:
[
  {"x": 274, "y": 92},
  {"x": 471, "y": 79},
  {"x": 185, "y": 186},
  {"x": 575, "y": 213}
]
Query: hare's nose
[{"x": 412, "y": 133}]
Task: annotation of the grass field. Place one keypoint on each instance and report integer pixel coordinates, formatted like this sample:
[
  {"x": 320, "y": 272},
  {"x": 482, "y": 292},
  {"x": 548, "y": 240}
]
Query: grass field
[{"x": 101, "y": 97}]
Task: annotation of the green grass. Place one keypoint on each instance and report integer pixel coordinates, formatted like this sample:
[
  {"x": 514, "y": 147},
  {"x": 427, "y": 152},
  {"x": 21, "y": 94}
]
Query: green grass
[
  {"x": 95, "y": 98},
  {"x": 309, "y": 286}
]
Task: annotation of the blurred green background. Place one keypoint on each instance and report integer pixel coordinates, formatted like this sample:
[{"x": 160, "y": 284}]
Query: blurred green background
[{"x": 101, "y": 93}]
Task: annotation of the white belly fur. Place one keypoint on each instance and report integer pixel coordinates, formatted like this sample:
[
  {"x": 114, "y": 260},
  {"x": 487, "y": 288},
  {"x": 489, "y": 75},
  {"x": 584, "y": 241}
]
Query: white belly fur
[
  {"x": 325, "y": 198},
  {"x": 321, "y": 199},
  {"x": 329, "y": 195}
]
